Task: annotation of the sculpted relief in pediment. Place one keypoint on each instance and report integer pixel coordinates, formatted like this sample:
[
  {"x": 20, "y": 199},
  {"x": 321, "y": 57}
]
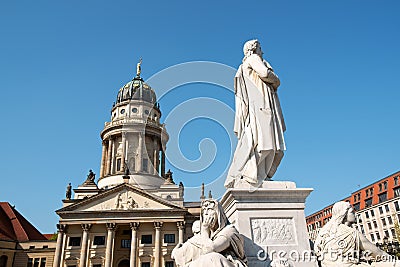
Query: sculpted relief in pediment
[{"x": 124, "y": 200}]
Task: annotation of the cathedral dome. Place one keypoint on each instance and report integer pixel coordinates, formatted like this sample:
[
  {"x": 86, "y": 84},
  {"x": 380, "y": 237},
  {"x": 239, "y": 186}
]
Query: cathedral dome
[{"x": 136, "y": 89}]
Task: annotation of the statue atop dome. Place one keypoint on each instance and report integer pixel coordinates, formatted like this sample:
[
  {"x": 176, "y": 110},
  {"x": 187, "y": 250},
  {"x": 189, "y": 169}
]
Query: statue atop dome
[{"x": 139, "y": 68}]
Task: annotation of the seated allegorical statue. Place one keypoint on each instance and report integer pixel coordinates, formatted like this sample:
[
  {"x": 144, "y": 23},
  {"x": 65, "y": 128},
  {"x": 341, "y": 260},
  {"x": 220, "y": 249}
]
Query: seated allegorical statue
[
  {"x": 218, "y": 244},
  {"x": 338, "y": 244}
]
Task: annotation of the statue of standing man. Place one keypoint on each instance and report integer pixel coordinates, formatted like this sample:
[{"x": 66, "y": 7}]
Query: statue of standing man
[{"x": 259, "y": 123}]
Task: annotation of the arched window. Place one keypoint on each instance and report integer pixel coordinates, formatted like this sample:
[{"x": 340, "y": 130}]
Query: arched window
[
  {"x": 124, "y": 263},
  {"x": 3, "y": 261}
]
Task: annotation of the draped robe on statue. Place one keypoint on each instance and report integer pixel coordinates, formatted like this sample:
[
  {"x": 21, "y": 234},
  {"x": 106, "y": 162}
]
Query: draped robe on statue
[
  {"x": 197, "y": 251},
  {"x": 259, "y": 123}
]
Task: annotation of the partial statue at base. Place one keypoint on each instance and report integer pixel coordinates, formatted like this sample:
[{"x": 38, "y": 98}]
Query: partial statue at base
[
  {"x": 259, "y": 123},
  {"x": 218, "y": 244},
  {"x": 338, "y": 244}
]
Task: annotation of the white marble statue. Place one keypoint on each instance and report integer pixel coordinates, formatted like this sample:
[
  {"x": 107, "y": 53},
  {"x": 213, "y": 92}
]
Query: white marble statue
[
  {"x": 338, "y": 244},
  {"x": 218, "y": 244},
  {"x": 259, "y": 123}
]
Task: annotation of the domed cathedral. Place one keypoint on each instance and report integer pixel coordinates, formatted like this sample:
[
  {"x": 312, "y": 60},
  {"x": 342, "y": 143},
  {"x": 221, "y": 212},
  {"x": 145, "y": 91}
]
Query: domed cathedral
[
  {"x": 134, "y": 214},
  {"x": 134, "y": 140}
]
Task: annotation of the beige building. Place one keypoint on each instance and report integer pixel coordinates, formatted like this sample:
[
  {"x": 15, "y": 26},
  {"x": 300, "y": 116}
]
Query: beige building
[
  {"x": 21, "y": 244},
  {"x": 135, "y": 214}
]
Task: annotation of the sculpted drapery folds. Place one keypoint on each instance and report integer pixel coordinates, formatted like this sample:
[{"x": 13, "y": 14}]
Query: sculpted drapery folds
[
  {"x": 338, "y": 244},
  {"x": 259, "y": 123},
  {"x": 218, "y": 244}
]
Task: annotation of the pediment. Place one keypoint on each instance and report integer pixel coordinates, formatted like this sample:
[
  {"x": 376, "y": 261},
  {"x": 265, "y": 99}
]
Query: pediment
[{"x": 121, "y": 198}]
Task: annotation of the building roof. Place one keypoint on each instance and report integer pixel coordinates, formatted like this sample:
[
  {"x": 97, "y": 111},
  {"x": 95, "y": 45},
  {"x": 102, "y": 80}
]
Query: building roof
[{"x": 14, "y": 226}]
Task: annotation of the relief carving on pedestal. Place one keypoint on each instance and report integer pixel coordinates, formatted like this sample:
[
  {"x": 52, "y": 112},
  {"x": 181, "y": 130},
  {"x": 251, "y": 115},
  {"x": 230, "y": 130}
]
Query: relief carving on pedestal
[{"x": 273, "y": 231}]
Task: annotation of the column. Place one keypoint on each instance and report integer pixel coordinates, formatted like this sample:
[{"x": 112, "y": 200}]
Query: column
[
  {"x": 60, "y": 237},
  {"x": 109, "y": 156},
  {"x": 84, "y": 245},
  {"x": 134, "y": 227},
  {"x": 162, "y": 163},
  {"x": 155, "y": 156},
  {"x": 140, "y": 152},
  {"x": 181, "y": 226},
  {"x": 112, "y": 157},
  {"x": 123, "y": 151},
  {"x": 110, "y": 243},
  {"x": 103, "y": 158},
  {"x": 157, "y": 244}
]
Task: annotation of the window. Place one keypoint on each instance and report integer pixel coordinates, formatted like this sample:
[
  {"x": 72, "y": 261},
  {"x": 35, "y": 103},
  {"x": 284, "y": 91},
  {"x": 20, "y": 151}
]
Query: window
[
  {"x": 372, "y": 238},
  {"x": 31, "y": 247},
  {"x": 145, "y": 264},
  {"x": 74, "y": 241},
  {"x": 378, "y": 237},
  {"x": 396, "y": 205},
  {"x": 396, "y": 192},
  {"x": 367, "y": 192},
  {"x": 36, "y": 262},
  {"x": 369, "y": 226},
  {"x": 169, "y": 238},
  {"x": 380, "y": 187},
  {"x": 99, "y": 240},
  {"x": 144, "y": 165},
  {"x": 368, "y": 202},
  {"x": 390, "y": 220},
  {"x": 380, "y": 210},
  {"x": 147, "y": 239},
  {"x": 382, "y": 197},
  {"x": 356, "y": 207},
  {"x": 387, "y": 208},
  {"x": 375, "y": 224},
  {"x": 387, "y": 233},
  {"x": 43, "y": 262},
  {"x": 132, "y": 164},
  {"x": 134, "y": 110},
  {"x": 169, "y": 264},
  {"x": 396, "y": 180},
  {"x": 383, "y": 222},
  {"x": 372, "y": 213},
  {"x": 30, "y": 262},
  {"x": 125, "y": 243},
  {"x": 96, "y": 265},
  {"x": 393, "y": 232},
  {"x": 385, "y": 185},
  {"x": 118, "y": 164},
  {"x": 367, "y": 214},
  {"x": 126, "y": 232}
]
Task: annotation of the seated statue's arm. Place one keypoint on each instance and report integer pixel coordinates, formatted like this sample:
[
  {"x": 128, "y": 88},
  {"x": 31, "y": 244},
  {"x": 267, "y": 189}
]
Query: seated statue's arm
[
  {"x": 369, "y": 247},
  {"x": 219, "y": 244}
]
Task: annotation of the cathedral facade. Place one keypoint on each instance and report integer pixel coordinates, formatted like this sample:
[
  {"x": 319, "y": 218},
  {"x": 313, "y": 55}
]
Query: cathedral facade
[{"x": 134, "y": 214}]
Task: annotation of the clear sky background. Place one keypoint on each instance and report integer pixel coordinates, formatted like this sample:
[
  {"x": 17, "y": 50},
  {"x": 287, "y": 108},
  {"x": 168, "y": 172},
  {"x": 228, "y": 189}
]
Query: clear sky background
[{"x": 62, "y": 63}]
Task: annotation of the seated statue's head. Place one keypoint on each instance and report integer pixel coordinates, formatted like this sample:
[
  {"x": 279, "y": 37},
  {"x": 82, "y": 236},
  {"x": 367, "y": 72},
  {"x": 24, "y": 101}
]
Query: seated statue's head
[
  {"x": 213, "y": 215},
  {"x": 342, "y": 212}
]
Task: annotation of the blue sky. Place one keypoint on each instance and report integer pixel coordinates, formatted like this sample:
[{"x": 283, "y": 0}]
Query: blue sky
[{"x": 62, "y": 63}]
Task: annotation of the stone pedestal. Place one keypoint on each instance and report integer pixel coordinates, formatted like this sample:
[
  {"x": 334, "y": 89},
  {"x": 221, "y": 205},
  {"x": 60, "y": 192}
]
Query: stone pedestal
[{"x": 271, "y": 219}]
